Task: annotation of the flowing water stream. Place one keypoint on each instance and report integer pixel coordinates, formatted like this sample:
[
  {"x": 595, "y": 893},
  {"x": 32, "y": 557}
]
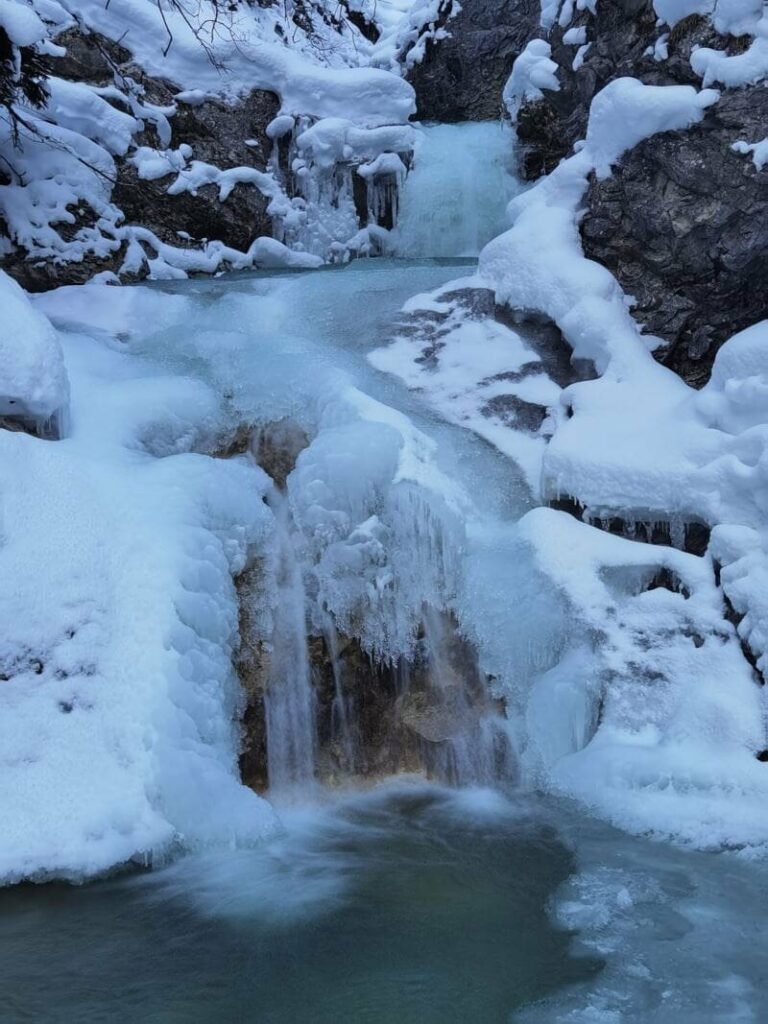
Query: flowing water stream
[{"x": 404, "y": 902}]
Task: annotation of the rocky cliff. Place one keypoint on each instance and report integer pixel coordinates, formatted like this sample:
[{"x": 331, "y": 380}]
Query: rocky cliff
[{"x": 681, "y": 220}]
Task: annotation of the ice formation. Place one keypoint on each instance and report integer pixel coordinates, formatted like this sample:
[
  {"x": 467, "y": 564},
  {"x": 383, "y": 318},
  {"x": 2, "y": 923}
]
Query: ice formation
[{"x": 648, "y": 712}]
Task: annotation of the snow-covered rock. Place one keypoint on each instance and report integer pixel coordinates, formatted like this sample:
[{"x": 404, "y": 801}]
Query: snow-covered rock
[{"x": 34, "y": 389}]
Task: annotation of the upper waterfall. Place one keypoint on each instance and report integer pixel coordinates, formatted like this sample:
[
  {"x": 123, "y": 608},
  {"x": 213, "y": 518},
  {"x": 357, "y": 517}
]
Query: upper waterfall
[{"x": 455, "y": 196}]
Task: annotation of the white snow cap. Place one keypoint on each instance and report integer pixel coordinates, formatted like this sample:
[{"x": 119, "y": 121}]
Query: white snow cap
[
  {"x": 33, "y": 379},
  {"x": 20, "y": 22},
  {"x": 626, "y": 111},
  {"x": 532, "y": 71}
]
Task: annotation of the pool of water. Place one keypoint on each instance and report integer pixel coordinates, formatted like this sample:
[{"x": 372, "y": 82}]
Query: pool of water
[{"x": 408, "y": 905}]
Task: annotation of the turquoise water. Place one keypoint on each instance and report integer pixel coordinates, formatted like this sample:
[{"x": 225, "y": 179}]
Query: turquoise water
[{"x": 409, "y": 906}]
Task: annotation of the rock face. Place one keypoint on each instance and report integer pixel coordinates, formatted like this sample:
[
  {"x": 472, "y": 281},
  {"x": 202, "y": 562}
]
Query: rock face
[
  {"x": 462, "y": 77},
  {"x": 216, "y": 133},
  {"x": 682, "y": 221},
  {"x": 619, "y": 34},
  {"x": 683, "y": 224}
]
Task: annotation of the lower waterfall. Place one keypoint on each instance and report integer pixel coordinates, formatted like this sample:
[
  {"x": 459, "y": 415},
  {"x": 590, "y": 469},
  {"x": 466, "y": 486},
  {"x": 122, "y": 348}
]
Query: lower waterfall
[
  {"x": 395, "y": 629},
  {"x": 288, "y": 700}
]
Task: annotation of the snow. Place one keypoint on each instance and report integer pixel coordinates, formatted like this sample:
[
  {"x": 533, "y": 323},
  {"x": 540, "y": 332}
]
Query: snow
[
  {"x": 740, "y": 69},
  {"x": 406, "y": 27},
  {"x": 118, "y": 736},
  {"x": 634, "y": 699},
  {"x": 468, "y": 365},
  {"x": 575, "y": 36},
  {"x": 33, "y": 380},
  {"x": 21, "y": 24},
  {"x": 244, "y": 46},
  {"x": 759, "y": 151},
  {"x": 80, "y": 109},
  {"x": 346, "y": 110},
  {"x": 627, "y": 111},
  {"x": 581, "y": 54},
  {"x": 670, "y": 12},
  {"x": 660, "y": 50},
  {"x": 663, "y": 756},
  {"x": 532, "y": 71}
]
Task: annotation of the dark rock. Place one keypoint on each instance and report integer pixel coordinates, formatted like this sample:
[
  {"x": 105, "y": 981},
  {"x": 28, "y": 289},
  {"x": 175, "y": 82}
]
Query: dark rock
[
  {"x": 277, "y": 446},
  {"x": 515, "y": 412},
  {"x": 682, "y": 220},
  {"x": 619, "y": 34},
  {"x": 251, "y": 667},
  {"x": 683, "y": 224},
  {"x": 546, "y": 339},
  {"x": 89, "y": 58},
  {"x": 648, "y": 527},
  {"x": 217, "y": 133},
  {"x": 461, "y": 78}
]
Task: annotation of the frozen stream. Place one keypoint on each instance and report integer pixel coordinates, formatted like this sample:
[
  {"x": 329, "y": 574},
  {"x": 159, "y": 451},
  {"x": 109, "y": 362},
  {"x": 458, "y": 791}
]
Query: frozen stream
[{"x": 406, "y": 904}]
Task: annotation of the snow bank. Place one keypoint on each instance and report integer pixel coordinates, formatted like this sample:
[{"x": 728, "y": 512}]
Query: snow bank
[
  {"x": 21, "y": 24},
  {"x": 247, "y": 54},
  {"x": 119, "y": 736},
  {"x": 33, "y": 380},
  {"x": 653, "y": 717},
  {"x": 657, "y": 717}
]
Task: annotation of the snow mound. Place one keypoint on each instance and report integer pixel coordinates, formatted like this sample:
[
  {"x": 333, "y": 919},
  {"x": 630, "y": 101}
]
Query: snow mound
[
  {"x": 33, "y": 380},
  {"x": 119, "y": 700}
]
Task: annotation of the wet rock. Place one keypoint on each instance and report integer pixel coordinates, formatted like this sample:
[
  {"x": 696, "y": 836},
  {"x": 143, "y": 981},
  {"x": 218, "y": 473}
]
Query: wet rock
[
  {"x": 277, "y": 446},
  {"x": 546, "y": 339},
  {"x": 461, "y": 78},
  {"x": 515, "y": 412},
  {"x": 251, "y": 665},
  {"x": 365, "y": 737}
]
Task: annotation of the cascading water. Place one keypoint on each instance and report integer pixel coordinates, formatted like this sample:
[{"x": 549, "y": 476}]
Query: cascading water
[
  {"x": 343, "y": 732},
  {"x": 466, "y": 734},
  {"x": 289, "y": 700},
  {"x": 455, "y": 196}
]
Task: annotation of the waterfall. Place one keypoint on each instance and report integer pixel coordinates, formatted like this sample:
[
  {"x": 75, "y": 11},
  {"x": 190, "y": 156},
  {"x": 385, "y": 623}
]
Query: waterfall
[
  {"x": 455, "y": 196},
  {"x": 289, "y": 699},
  {"x": 343, "y": 730},
  {"x": 467, "y": 739}
]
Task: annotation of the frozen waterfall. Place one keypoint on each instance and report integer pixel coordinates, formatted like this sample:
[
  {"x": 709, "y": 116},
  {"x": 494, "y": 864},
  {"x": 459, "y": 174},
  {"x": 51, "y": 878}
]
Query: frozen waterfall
[{"x": 455, "y": 196}]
